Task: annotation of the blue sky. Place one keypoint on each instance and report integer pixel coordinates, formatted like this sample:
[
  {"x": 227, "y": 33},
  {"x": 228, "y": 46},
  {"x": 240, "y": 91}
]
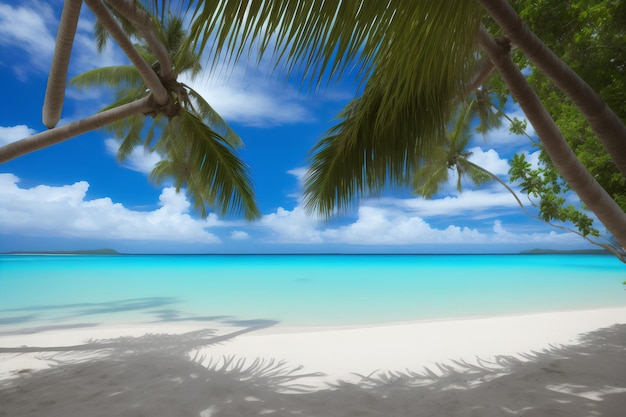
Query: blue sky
[{"x": 75, "y": 195}]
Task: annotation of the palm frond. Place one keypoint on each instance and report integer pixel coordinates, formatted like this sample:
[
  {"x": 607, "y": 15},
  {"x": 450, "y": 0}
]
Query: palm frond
[
  {"x": 366, "y": 152},
  {"x": 199, "y": 158},
  {"x": 204, "y": 110},
  {"x": 489, "y": 116},
  {"x": 476, "y": 174},
  {"x": 318, "y": 37},
  {"x": 429, "y": 178},
  {"x": 113, "y": 77},
  {"x": 132, "y": 137}
]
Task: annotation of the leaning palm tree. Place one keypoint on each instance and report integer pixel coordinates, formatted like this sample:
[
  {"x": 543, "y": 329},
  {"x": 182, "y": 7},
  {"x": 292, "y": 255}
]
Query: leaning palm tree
[
  {"x": 453, "y": 159},
  {"x": 417, "y": 60},
  {"x": 195, "y": 133},
  {"x": 453, "y": 156},
  {"x": 152, "y": 109}
]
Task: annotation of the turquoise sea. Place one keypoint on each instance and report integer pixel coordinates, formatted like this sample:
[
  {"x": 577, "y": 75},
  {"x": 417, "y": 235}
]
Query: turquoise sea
[{"x": 44, "y": 291}]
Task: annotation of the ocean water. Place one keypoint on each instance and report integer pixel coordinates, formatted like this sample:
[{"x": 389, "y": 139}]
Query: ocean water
[{"x": 38, "y": 291}]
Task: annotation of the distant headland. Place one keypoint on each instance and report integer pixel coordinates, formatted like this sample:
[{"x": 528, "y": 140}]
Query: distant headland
[{"x": 68, "y": 252}]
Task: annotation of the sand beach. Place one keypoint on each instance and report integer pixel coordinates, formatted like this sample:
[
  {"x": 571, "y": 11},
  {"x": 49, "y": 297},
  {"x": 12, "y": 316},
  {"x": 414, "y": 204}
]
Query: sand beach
[{"x": 569, "y": 363}]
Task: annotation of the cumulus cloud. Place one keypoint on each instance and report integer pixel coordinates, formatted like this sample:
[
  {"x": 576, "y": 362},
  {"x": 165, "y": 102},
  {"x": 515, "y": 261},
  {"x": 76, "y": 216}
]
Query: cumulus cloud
[
  {"x": 250, "y": 97},
  {"x": 10, "y": 134},
  {"x": 395, "y": 227},
  {"x": 65, "y": 211},
  {"x": 489, "y": 160}
]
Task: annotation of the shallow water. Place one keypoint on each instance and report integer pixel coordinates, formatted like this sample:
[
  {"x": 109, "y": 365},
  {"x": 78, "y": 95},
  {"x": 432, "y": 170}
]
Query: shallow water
[{"x": 39, "y": 291}]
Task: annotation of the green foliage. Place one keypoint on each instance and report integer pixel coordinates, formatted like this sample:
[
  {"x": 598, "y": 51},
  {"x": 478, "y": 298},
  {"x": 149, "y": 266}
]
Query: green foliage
[
  {"x": 196, "y": 145},
  {"x": 590, "y": 36},
  {"x": 452, "y": 156},
  {"x": 412, "y": 66},
  {"x": 196, "y": 154},
  {"x": 547, "y": 192}
]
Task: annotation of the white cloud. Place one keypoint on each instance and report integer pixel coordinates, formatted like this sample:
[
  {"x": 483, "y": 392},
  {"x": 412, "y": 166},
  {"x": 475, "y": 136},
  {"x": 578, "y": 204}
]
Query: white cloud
[
  {"x": 28, "y": 27},
  {"x": 32, "y": 27},
  {"x": 395, "y": 227},
  {"x": 65, "y": 211},
  {"x": 239, "y": 235},
  {"x": 10, "y": 134},
  {"x": 469, "y": 201},
  {"x": 291, "y": 226},
  {"x": 489, "y": 160},
  {"x": 139, "y": 160},
  {"x": 250, "y": 97},
  {"x": 409, "y": 221},
  {"x": 381, "y": 226}
]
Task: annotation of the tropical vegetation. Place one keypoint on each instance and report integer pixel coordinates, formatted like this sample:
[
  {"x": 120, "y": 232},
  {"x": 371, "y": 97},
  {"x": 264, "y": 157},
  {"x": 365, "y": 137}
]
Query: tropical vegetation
[
  {"x": 417, "y": 60},
  {"x": 152, "y": 109}
]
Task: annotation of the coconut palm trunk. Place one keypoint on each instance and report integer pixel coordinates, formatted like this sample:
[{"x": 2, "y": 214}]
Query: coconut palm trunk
[
  {"x": 55, "y": 90},
  {"x": 142, "y": 20},
  {"x": 568, "y": 165},
  {"x": 62, "y": 133},
  {"x": 147, "y": 73},
  {"x": 607, "y": 126}
]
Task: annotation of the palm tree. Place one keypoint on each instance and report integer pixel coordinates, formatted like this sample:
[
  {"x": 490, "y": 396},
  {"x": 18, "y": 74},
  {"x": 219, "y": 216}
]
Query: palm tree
[
  {"x": 453, "y": 156},
  {"x": 196, "y": 145},
  {"x": 418, "y": 61}
]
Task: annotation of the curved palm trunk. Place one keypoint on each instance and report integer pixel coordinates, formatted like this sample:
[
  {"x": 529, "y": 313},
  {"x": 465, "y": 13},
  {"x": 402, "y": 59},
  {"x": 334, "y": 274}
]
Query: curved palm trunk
[
  {"x": 55, "y": 90},
  {"x": 564, "y": 159},
  {"x": 71, "y": 130},
  {"x": 147, "y": 73},
  {"x": 606, "y": 125},
  {"x": 606, "y": 247},
  {"x": 142, "y": 20}
]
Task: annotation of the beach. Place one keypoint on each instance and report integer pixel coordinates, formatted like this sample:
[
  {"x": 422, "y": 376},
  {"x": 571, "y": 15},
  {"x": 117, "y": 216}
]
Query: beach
[{"x": 552, "y": 363}]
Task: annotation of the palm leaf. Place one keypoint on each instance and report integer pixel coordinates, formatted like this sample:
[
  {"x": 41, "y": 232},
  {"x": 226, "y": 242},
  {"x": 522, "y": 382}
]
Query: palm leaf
[
  {"x": 429, "y": 178},
  {"x": 132, "y": 137},
  {"x": 114, "y": 77},
  {"x": 316, "y": 37},
  {"x": 200, "y": 159},
  {"x": 204, "y": 110}
]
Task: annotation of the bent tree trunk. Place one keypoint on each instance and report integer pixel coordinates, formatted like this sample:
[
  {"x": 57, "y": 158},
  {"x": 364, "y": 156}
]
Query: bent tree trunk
[
  {"x": 607, "y": 126},
  {"x": 55, "y": 90},
  {"x": 71, "y": 130},
  {"x": 141, "y": 19},
  {"x": 147, "y": 73},
  {"x": 564, "y": 159}
]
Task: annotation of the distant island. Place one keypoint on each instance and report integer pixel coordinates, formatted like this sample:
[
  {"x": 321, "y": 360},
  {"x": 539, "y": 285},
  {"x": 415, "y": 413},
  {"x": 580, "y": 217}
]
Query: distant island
[{"x": 68, "y": 252}]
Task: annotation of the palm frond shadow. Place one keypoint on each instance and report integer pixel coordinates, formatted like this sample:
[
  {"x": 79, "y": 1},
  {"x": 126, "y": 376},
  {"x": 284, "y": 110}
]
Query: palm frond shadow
[
  {"x": 157, "y": 376},
  {"x": 588, "y": 378}
]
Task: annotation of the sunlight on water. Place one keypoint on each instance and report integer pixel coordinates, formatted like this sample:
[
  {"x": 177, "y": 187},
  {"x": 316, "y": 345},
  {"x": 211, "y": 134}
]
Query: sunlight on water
[{"x": 300, "y": 289}]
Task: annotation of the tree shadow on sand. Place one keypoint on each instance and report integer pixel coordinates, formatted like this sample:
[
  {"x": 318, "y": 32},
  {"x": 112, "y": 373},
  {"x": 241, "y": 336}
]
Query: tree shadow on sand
[{"x": 155, "y": 376}]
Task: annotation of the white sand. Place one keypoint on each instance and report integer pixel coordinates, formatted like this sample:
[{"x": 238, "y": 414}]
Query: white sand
[
  {"x": 341, "y": 352},
  {"x": 151, "y": 375}
]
